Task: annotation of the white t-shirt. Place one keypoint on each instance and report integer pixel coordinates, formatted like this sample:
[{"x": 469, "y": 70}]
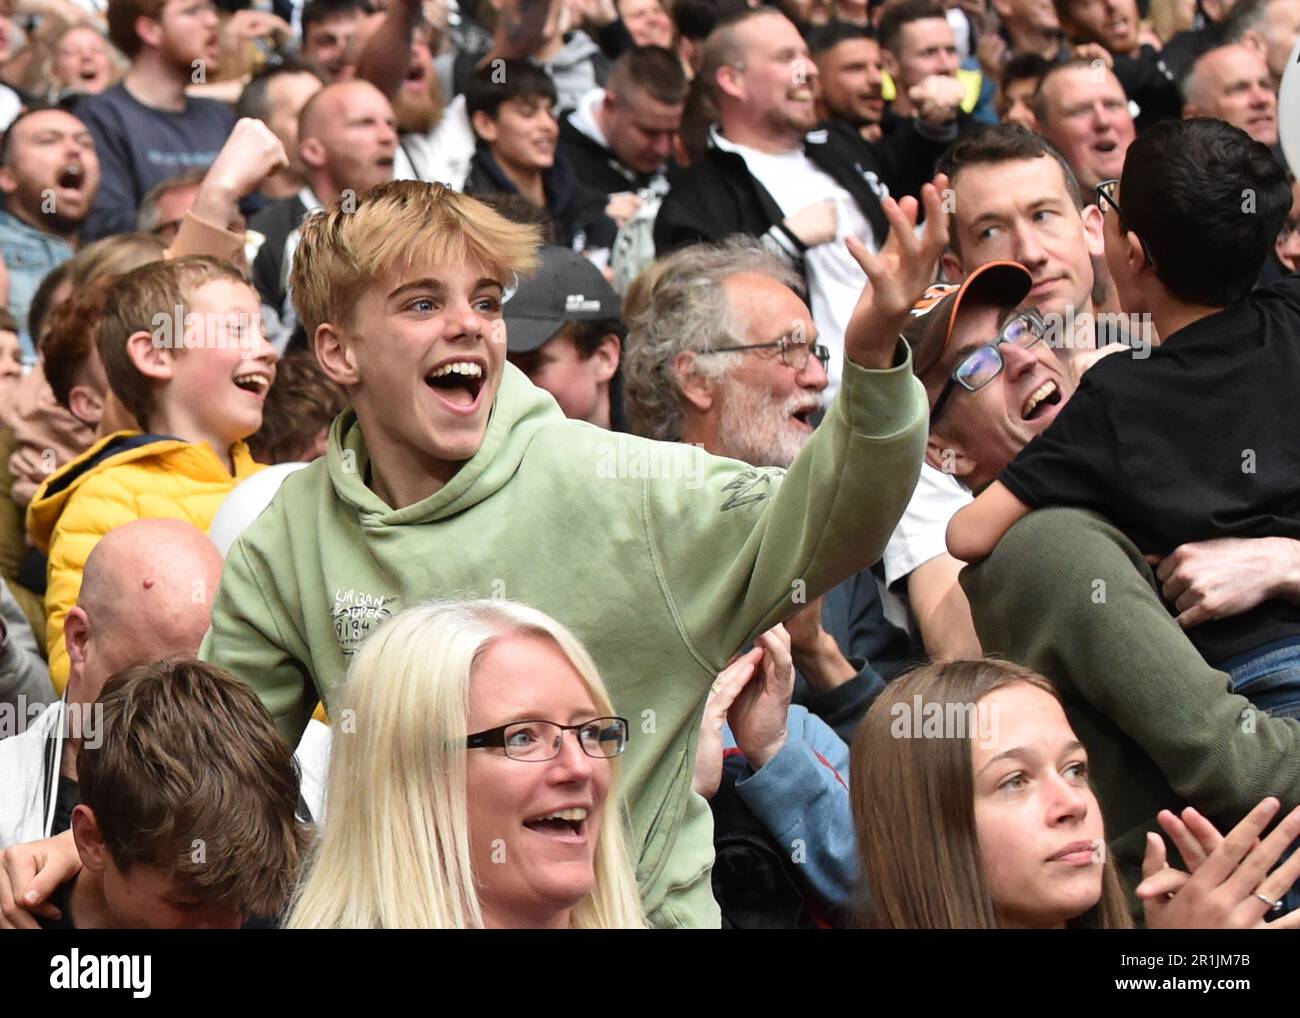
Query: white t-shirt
[
  {"x": 835, "y": 280},
  {"x": 443, "y": 155},
  {"x": 921, "y": 534}
]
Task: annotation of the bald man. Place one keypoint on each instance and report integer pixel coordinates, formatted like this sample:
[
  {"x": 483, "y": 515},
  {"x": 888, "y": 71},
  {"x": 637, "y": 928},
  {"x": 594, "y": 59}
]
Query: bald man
[
  {"x": 1232, "y": 83},
  {"x": 146, "y": 594},
  {"x": 347, "y": 141}
]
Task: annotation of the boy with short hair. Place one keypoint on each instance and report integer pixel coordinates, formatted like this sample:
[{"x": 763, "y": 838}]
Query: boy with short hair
[
  {"x": 450, "y": 474},
  {"x": 565, "y": 334},
  {"x": 216, "y": 840},
  {"x": 181, "y": 343}
]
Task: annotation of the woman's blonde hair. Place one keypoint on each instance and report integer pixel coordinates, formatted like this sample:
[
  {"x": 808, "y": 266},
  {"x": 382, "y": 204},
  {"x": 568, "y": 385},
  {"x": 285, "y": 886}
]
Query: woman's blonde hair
[
  {"x": 395, "y": 851},
  {"x": 342, "y": 252},
  {"x": 914, "y": 809}
]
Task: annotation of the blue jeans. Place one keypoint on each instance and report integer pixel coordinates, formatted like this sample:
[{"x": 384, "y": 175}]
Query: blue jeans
[{"x": 1271, "y": 681}]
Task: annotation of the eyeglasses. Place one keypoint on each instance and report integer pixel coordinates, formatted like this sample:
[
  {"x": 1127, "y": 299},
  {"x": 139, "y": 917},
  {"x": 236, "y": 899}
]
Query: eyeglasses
[
  {"x": 538, "y": 741},
  {"x": 984, "y": 364},
  {"x": 1106, "y": 197},
  {"x": 794, "y": 352}
]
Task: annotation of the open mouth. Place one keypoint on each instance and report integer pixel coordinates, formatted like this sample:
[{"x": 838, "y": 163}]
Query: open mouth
[
  {"x": 804, "y": 416},
  {"x": 89, "y": 73},
  {"x": 71, "y": 177},
  {"x": 1046, "y": 395},
  {"x": 802, "y": 95},
  {"x": 256, "y": 382},
  {"x": 458, "y": 383},
  {"x": 563, "y": 823},
  {"x": 1106, "y": 146}
]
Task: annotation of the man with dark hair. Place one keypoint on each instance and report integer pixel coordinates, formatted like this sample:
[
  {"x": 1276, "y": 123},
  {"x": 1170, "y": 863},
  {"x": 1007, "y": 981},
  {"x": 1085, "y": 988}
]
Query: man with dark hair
[
  {"x": 1115, "y": 25},
  {"x": 511, "y": 109},
  {"x": 851, "y": 72},
  {"x": 276, "y": 96},
  {"x": 1209, "y": 29},
  {"x": 146, "y": 128},
  {"x": 565, "y": 332},
  {"x": 1081, "y": 108},
  {"x": 920, "y": 54},
  {"x": 1030, "y": 27},
  {"x": 327, "y": 30},
  {"x": 695, "y": 20},
  {"x": 1021, "y": 77},
  {"x": 621, "y": 137},
  {"x": 770, "y": 173},
  {"x": 49, "y": 175}
]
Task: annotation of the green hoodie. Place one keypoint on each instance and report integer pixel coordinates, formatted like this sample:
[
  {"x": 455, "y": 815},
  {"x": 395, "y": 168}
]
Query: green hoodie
[{"x": 663, "y": 560}]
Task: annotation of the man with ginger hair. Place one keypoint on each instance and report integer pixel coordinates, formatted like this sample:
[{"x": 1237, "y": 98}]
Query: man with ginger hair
[{"x": 450, "y": 474}]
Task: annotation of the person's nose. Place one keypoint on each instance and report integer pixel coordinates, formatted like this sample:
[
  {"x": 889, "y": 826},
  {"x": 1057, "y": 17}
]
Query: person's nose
[
  {"x": 1065, "y": 800},
  {"x": 1016, "y": 360},
  {"x": 814, "y": 375},
  {"x": 465, "y": 322},
  {"x": 1026, "y": 247},
  {"x": 571, "y": 763}
]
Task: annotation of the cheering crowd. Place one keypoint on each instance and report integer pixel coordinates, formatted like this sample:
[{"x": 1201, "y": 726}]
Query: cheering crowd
[{"x": 648, "y": 463}]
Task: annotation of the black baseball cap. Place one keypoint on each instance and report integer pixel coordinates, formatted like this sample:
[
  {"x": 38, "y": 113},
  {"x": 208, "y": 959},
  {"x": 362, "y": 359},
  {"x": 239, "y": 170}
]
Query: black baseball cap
[{"x": 566, "y": 288}]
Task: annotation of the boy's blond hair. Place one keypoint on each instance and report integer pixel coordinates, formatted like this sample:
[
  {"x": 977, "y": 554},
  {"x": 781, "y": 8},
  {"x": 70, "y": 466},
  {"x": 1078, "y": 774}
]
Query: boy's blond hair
[
  {"x": 135, "y": 303},
  {"x": 400, "y": 223}
]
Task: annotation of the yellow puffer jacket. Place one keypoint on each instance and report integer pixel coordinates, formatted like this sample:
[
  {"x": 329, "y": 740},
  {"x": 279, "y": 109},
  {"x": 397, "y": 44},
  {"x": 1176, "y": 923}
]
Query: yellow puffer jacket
[{"x": 126, "y": 476}]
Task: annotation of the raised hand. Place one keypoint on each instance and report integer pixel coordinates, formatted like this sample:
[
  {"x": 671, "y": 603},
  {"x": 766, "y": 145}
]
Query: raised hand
[{"x": 897, "y": 275}]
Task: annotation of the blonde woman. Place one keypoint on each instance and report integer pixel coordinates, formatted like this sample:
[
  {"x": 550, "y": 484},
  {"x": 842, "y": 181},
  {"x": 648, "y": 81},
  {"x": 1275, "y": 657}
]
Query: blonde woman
[{"x": 473, "y": 781}]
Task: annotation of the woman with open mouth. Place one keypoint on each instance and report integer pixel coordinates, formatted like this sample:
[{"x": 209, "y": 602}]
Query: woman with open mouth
[{"x": 472, "y": 782}]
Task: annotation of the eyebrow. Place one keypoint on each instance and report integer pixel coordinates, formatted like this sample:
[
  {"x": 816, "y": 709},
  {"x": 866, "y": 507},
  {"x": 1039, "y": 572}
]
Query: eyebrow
[{"x": 1020, "y": 753}]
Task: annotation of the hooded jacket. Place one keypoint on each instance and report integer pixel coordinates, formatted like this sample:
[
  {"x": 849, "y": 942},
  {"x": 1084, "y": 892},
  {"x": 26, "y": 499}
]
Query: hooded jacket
[
  {"x": 663, "y": 560},
  {"x": 126, "y": 476}
]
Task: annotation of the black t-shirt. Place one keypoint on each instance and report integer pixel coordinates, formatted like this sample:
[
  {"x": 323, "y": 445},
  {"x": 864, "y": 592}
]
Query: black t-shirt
[
  {"x": 1200, "y": 440},
  {"x": 69, "y": 796}
]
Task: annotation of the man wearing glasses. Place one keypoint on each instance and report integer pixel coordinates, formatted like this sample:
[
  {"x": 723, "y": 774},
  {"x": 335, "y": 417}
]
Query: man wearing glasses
[
  {"x": 1189, "y": 453},
  {"x": 146, "y": 129}
]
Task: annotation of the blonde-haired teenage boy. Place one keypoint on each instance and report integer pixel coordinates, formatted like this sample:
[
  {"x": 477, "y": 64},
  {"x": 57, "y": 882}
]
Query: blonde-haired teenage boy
[
  {"x": 181, "y": 342},
  {"x": 452, "y": 474}
]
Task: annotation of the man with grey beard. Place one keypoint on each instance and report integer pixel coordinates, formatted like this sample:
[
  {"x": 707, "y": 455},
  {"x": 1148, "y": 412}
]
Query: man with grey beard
[{"x": 722, "y": 352}]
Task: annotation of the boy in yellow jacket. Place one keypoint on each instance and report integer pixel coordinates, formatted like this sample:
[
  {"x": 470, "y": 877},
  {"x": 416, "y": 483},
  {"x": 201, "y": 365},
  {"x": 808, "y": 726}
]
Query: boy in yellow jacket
[{"x": 182, "y": 345}]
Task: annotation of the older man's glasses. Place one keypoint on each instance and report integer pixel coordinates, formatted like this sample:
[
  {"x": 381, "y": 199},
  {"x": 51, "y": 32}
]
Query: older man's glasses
[
  {"x": 985, "y": 363},
  {"x": 794, "y": 352},
  {"x": 537, "y": 741}
]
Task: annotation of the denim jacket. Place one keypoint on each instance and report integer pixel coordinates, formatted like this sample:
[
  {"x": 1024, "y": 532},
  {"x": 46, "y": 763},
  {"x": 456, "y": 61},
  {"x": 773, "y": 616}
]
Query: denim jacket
[{"x": 28, "y": 254}]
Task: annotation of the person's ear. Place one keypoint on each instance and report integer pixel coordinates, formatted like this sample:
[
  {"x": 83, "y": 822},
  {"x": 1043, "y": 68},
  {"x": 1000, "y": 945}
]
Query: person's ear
[
  {"x": 948, "y": 456},
  {"x": 731, "y": 81},
  {"x": 890, "y": 63},
  {"x": 336, "y": 356},
  {"x": 86, "y": 405},
  {"x": 149, "y": 30},
  {"x": 697, "y": 389},
  {"x": 8, "y": 180},
  {"x": 1134, "y": 253},
  {"x": 76, "y": 634},
  {"x": 1003, "y": 7},
  {"x": 485, "y": 126},
  {"x": 89, "y": 839},
  {"x": 953, "y": 270},
  {"x": 1190, "y": 110},
  {"x": 312, "y": 152},
  {"x": 606, "y": 357},
  {"x": 1094, "y": 230},
  {"x": 151, "y": 359},
  {"x": 1255, "y": 41}
]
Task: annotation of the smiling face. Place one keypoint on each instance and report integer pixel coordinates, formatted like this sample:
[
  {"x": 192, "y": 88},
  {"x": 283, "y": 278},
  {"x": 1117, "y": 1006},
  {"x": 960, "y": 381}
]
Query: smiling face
[
  {"x": 1022, "y": 211},
  {"x": 82, "y": 61},
  {"x": 531, "y": 865},
  {"x": 851, "y": 78},
  {"x": 1112, "y": 23},
  {"x": 219, "y": 382},
  {"x": 50, "y": 152},
  {"x": 523, "y": 134},
  {"x": 422, "y": 361},
  {"x": 988, "y": 428},
  {"x": 1232, "y": 84},
  {"x": 763, "y": 405},
  {"x": 1088, "y": 119},
  {"x": 778, "y": 84},
  {"x": 188, "y": 36},
  {"x": 647, "y": 22},
  {"x": 1038, "y": 823}
]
